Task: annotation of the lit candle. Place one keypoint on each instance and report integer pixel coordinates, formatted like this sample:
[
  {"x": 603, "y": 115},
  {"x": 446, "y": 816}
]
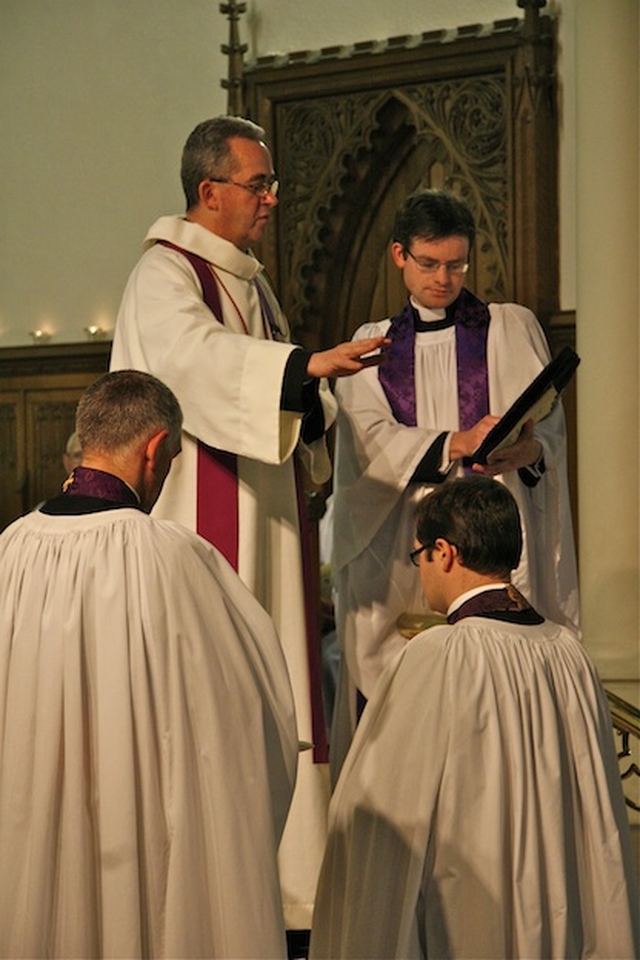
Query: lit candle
[{"x": 93, "y": 332}]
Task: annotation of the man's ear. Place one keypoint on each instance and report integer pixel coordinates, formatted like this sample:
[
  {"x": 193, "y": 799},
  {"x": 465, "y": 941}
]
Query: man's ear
[
  {"x": 447, "y": 554},
  {"x": 398, "y": 255},
  {"x": 208, "y": 194},
  {"x": 156, "y": 447}
]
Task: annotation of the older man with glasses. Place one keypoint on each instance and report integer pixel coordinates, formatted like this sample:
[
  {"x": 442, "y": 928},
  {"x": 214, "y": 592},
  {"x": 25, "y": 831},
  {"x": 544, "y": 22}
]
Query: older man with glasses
[
  {"x": 454, "y": 366},
  {"x": 199, "y": 314}
]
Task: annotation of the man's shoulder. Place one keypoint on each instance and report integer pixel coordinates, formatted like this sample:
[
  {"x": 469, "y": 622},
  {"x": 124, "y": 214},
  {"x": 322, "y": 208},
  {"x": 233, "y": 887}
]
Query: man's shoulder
[
  {"x": 170, "y": 531},
  {"x": 180, "y": 542},
  {"x": 514, "y": 331},
  {"x": 512, "y": 313},
  {"x": 373, "y": 328},
  {"x": 15, "y": 527},
  {"x": 196, "y": 239},
  {"x": 176, "y": 230},
  {"x": 198, "y": 567}
]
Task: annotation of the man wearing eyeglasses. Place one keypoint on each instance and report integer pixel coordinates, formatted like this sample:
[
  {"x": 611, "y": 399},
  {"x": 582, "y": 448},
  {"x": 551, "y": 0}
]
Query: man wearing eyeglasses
[
  {"x": 454, "y": 366},
  {"x": 199, "y": 314},
  {"x": 479, "y": 812}
]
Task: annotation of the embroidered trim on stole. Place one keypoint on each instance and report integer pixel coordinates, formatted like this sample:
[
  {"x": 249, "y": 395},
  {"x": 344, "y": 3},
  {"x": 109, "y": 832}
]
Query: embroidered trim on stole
[
  {"x": 506, "y": 604},
  {"x": 397, "y": 374},
  {"x": 91, "y": 482}
]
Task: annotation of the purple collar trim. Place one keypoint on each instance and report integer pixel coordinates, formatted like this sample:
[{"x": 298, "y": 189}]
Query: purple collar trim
[
  {"x": 507, "y": 604},
  {"x": 88, "y": 482},
  {"x": 397, "y": 373}
]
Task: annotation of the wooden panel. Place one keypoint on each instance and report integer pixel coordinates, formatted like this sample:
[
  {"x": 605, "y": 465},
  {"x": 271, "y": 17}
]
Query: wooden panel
[
  {"x": 12, "y": 456},
  {"x": 39, "y": 389},
  {"x": 56, "y": 363},
  {"x": 50, "y": 420}
]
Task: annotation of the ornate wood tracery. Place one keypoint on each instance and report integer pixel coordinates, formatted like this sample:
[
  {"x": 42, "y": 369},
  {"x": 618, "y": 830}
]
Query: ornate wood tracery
[
  {"x": 380, "y": 147},
  {"x": 354, "y": 131}
]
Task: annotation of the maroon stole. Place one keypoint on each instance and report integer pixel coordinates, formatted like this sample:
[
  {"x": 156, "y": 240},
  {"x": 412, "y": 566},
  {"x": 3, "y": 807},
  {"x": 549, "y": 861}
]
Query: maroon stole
[
  {"x": 506, "y": 604},
  {"x": 218, "y": 470},
  {"x": 397, "y": 374}
]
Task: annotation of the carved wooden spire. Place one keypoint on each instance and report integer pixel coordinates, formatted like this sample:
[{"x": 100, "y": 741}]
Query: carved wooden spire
[
  {"x": 234, "y": 50},
  {"x": 535, "y": 127},
  {"x": 531, "y": 17}
]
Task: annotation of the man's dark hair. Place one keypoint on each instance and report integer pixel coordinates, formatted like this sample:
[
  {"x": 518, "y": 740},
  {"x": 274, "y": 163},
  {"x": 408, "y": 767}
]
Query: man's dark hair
[
  {"x": 207, "y": 155},
  {"x": 480, "y": 517},
  {"x": 124, "y": 407},
  {"x": 433, "y": 215}
]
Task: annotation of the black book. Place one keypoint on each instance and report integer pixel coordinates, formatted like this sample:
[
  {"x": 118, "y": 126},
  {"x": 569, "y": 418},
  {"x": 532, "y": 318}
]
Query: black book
[{"x": 534, "y": 403}]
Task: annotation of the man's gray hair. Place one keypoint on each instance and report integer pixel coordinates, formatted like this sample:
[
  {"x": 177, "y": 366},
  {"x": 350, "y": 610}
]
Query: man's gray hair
[
  {"x": 125, "y": 407},
  {"x": 207, "y": 154}
]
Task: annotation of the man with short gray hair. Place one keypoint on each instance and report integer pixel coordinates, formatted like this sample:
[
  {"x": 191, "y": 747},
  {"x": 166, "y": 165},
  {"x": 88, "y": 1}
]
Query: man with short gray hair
[
  {"x": 148, "y": 743},
  {"x": 199, "y": 312}
]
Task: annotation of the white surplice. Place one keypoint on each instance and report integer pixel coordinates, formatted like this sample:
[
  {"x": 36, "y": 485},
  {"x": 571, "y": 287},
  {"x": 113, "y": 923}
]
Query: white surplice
[
  {"x": 229, "y": 386},
  {"x": 148, "y": 745},
  {"x": 374, "y": 512},
  {"x": 479, "y": 812}
]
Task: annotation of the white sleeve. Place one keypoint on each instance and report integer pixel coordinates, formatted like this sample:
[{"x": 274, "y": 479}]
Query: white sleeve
[{"x": 228, "y": 384}]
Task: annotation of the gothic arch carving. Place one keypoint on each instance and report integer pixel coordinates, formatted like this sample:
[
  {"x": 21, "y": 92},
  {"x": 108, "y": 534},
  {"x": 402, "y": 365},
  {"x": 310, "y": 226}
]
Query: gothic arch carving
[
  {"x": 353, "y": 134},
  {"x": 367, "y": 153}
]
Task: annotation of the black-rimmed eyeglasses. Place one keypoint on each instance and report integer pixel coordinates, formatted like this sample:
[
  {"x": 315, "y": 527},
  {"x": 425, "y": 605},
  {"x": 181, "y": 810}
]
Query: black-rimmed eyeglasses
[
  {"x": 414, "y": 556},
  {"x": 259, "y": 188}
]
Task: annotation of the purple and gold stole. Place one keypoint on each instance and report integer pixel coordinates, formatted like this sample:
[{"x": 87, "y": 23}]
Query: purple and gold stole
[
  {"x": 100, "y": 485},
  {"x": 505, "y": 604}
]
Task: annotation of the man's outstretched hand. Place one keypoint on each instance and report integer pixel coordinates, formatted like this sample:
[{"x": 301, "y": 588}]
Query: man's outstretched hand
[{"x": 347, "y": 358}]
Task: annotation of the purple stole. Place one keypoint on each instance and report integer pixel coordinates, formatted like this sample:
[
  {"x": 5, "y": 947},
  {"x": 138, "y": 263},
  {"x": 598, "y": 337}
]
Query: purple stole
[
  {"x": 89, "y": 482},
  {"x": 218, "y": 470},
  {"x": 506, "y": 604},
  {"x": 397, "y": 374}
]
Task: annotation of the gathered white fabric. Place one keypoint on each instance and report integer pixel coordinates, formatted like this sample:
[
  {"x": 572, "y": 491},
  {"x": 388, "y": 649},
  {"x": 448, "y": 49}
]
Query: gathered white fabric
[
  {"x": 479, "y": 812},
  {"x": 374, "y": 517},
  {"x": 148, "y": 745}
]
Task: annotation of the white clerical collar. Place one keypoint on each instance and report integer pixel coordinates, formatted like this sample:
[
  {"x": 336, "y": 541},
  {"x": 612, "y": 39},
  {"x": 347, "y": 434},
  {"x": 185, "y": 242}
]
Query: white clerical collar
[
  {"x": 474, "y": 593},
  {"x": 197, "y": 239},
  {"x": 426, "y": 314}
]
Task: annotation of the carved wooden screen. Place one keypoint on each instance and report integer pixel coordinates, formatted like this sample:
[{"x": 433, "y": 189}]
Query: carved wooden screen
[{"x": 354, "y": 132}]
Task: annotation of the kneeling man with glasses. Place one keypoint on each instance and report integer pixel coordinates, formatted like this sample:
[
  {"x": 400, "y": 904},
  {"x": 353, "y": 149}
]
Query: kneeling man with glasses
[{"x": 479, "y": 812}]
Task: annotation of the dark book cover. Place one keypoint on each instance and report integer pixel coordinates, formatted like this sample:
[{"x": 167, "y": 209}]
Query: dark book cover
[{"x": 534, "y": 403}]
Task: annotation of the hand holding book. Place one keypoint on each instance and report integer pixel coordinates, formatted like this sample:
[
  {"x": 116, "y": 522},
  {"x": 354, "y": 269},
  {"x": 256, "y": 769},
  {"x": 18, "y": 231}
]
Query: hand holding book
[
  {"x": 526, "y": 450},
  {"x": 533, "y": 404}
]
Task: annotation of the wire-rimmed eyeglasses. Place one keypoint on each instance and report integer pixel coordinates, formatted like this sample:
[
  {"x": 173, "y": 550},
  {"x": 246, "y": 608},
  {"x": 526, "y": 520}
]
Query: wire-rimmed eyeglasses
[
  {"x": 456, "y": 268},
  {"x": 259, "y": 188}
]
